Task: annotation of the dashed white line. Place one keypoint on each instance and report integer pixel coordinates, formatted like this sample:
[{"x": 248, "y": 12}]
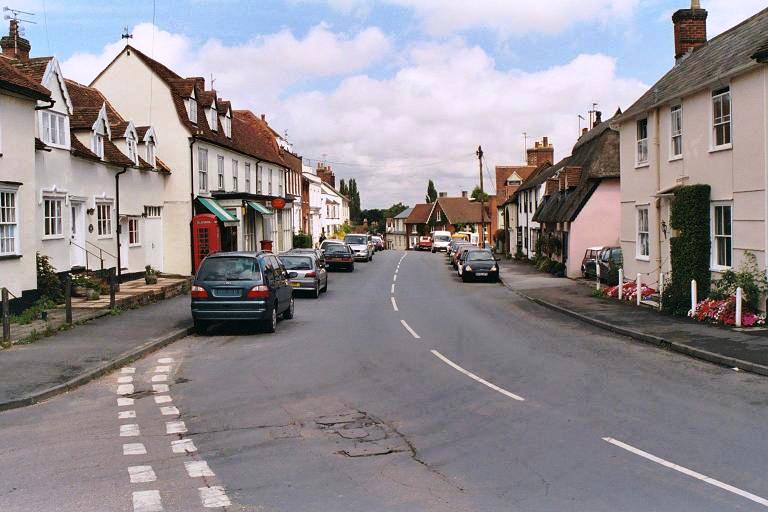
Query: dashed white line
[
  {"x": 162, "y": 369},
  {"x": 127, "y": 379},
  {"x": 170, "y": 410},
  {"x": 198, "y": 468},
  {"x": 163, "y": 399},
  {"x": 160, "y": 388},
  {"x": 394, "y": 278},
  {"x": 688, "y": 472},
  {"x": 147, "y": 501},
  {"x": 214, "y": 497},
  {"x": 165, "y": 360},
  {"x": 408, "y": 328},
  {"x": 141, "y": 474},
  {"x": 134, "y": 449},
  {"x": 129, "y": 430},
  {"x": 124, "y": 389},
  {"x": 393, "y": 288},
  {"x": 475, "y": 377},
  {"x": 175, "y": 427},
  {"x": 160, "y": 378},
  {"x": 394, "y": 304},
  {"x": 124, "y": 402},
  {"x": 128, "y": 369},
  {"x": 124, "y": 415},
  {"x": 183, "y": 446}
]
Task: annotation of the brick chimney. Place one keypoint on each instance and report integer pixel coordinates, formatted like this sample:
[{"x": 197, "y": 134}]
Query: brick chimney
[
  {"x": 325, "y": 173},
  {"x": 442, "y": 194},
  {"x": 690, "y": 29},
  {"x": 598, "y": 118},
  {"x": 13, "y": 45},
  {"x": 541, "y": 152},
  {"x": 465, "y": 194}
]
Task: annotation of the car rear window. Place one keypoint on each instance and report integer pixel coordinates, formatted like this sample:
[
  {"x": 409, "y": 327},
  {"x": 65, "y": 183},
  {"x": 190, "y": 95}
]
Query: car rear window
[
  {"x": 296, "y": 262},
  {"x": 336, "y": 249},
  {"x": 357, "y": 240},
  {"x": 230, "y": 268}
]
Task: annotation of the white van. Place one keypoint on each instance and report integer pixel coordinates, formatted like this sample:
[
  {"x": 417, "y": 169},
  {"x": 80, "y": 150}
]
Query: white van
[{"x": 440, "y": 240}]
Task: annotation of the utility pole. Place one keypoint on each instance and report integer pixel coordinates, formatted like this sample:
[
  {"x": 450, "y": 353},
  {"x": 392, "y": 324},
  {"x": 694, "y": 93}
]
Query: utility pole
[{"x": 482, "y": 196}]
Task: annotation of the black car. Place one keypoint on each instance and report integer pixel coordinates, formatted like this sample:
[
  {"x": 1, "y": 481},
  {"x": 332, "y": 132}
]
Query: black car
[
  {"x": 241, "y": 287},
  {"x": 479, "y": 263},
  {"x": 339, "y": 256}
]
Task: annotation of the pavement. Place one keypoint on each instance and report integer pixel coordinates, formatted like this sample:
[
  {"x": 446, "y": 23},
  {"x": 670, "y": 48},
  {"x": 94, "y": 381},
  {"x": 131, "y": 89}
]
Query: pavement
[
  {"x": 56, "y": 364},
  {"x": 745, "y": 349}
]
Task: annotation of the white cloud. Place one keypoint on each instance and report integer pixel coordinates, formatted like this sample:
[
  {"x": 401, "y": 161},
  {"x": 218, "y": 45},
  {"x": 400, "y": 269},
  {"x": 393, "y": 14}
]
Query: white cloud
[{"x": 724, "y": 14}]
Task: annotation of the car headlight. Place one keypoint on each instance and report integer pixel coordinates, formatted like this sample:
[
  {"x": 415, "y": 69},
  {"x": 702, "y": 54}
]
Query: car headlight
[
  {"x": 493, "y": 269},
  {"x": 468, "y": 268}
]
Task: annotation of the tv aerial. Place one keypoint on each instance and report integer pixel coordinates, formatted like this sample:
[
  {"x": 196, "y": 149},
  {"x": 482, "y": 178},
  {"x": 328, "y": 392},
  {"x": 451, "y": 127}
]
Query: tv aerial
[{"x": 15, "y": 14}]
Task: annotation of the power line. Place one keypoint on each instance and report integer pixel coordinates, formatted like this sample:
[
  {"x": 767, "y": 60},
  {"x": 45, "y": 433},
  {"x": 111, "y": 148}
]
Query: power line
[{"x": 383, "y": 164}]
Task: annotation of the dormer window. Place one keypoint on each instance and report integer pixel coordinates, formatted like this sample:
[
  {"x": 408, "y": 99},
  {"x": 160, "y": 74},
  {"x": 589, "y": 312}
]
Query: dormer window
[
  {"x": 226, "y": 122},
  {"x": 97, "y": 145},
  {"x": 54, "y": 128},
  {"x": 213, "y": 118},
  {"x": 151, "y": 151},
  {"x": 192, "y": 108},
  {"x": 132, "y": 149}
]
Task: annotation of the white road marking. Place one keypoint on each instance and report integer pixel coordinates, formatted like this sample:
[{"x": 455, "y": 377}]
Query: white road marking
[
  {"x": 408, "y": 328},
  {"x": 134, "y": 449},
  {"x": 160, "y": 378},
  {"x": 170, "y": 410},
  {"x": 162, "y": 369},
  {"x": 124, "y": 389},
  {"x": 163, "y": 399},
  {"x": 394, "y": 304},
  {"x": 475, "y": 377},
  {"x": 175, "y": 427},
  {"x": 198, "y": 468},
  {"x": 128, "y": 369},
  {"x": 160, "y": 388},
  {"x": 165, "y": 360},
  {"x": 393, "y": 288},
  {"x": 394, "y": 278},
  {"x": 147, "y": 501},
  {"x": 141, "y": 474},
  {"x": 124, "y": 415},
  {"x": 129, "y": 430},
  {"x": 214, "y": 497},
  {"x": 127, "y": 379},
  {"x": 124, "y": 402},
  {"x": 688, "y": 472},
  {"x": 183, "y": 446}
]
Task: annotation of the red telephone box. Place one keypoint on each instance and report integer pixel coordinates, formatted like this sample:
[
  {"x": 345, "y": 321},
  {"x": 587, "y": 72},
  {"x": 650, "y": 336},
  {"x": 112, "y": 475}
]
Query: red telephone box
[{"x": 206, "y": 238}]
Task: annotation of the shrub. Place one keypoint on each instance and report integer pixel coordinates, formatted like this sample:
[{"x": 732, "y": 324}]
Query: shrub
[
  {"x": 302, "y": 241},
  {"x": 48, "y": 282},
  {"x": 519, "y": 255},
  {"x": 749, "y": 278}
]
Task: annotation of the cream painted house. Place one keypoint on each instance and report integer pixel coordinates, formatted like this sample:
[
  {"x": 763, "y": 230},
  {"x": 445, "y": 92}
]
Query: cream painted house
[
  {"x": 315, "y": 189},
  {"x": 223, "y": 162},
  {"x": 704, "y": 122}
]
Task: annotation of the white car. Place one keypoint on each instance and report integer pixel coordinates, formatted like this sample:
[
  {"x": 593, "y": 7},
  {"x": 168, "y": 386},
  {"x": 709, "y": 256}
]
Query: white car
[
  {"x": 362, "y": 246},
  {"x": 441, "y": 240}
]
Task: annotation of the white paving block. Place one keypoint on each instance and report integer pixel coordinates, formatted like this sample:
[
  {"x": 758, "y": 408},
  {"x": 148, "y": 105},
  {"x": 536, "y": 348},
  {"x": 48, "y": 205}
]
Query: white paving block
[
  {"x": 124, "y": 389},
  {"x": 175, "y": 427},
  {"x": 134, "y": 449},
  {"x": 162, "y": 369},
  {"x": 160, "y": 388},
  {"x": 129, "y": 430},
  {"x": 128, "y": 369},
  {"x": 147, "y": 501},
  {"x": 124, "y": 402},
  {"x": 125, "y": 379},
  {"x": 141, "y": 474},
  {"x": 165, "y": 360},
  {"x": 161, "y": 377},
  {"x": 170, "y": 410},
  {"x": 198, "y": 468},
  {"x": 124, "y": 415},
  {"x": 183, "y": 446},
  {"x": 163, "y": 399},
  {"x": 214, "y": 497}
]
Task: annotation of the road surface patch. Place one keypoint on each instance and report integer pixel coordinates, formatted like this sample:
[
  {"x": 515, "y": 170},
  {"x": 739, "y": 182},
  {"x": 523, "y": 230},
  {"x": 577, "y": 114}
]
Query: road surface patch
[
  {"x": 687, "y": 472},
  {"x": 408, "y": 328},
  {"x": 476, "y": 378},
  {"x": 147, "y": 501}
]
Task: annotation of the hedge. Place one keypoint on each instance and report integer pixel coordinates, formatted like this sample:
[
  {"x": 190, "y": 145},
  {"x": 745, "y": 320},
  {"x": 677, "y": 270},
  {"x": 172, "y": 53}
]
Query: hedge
[{"x": 302, "y": 241}]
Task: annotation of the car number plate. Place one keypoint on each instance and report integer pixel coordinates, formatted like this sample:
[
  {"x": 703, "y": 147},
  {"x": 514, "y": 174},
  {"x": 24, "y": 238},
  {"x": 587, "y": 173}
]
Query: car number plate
[
  {"x": 295, "y": 285},
  {"x": 482, "y": 274}
]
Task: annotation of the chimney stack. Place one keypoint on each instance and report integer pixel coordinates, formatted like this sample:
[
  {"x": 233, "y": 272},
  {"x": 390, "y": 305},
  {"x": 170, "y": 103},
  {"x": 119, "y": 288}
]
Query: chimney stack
[
  {"x": 13, "y": 45},
  {"x": 690, "y": 29},
  {"x": 541, "y": 152},
  {"x": 584, "y": 131},
  {"x": 442, "y": 194},
  {"x": 598, "y": 118},
  {"x": 326, "y": 174},
  {"x": 465, "y": 194}
]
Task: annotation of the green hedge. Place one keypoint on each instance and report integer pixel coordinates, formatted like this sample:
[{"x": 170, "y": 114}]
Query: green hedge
[
  {"x": 302, "y": 241},
  {"x": 690, "y": 250}
]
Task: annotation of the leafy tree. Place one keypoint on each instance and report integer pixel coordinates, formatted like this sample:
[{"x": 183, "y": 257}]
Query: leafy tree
[
  {"x": 431, "y": 192},
  {"x": 343, "y": 188},
  {"x": 477, "y": 194},
  {"x": 353, "y": 194}
]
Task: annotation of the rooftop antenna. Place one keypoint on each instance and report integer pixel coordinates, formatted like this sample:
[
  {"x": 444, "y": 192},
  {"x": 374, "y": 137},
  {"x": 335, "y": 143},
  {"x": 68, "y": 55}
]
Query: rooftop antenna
[
  {"x": 213, "y": 81},
  {"x": 592, "y": 115},
  {"x": 581, "y": 118},
  {"x": 15, "y": 19},
  {"x": 525, "y": 146},
  {"x": 126, "y": 35}
]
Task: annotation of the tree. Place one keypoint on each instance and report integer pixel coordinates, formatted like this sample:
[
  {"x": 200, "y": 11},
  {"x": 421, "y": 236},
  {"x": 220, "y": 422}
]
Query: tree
[
  {"x": 354, "y": 200},
  {"x": 477, "y": 194},
  {"x": 431, "y": 192},
  {"x": 342, "y": 188}
]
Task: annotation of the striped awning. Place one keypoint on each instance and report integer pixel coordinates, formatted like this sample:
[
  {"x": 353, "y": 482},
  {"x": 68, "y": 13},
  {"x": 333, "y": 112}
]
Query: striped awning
[
  {"x": 215, "y": 208},
  {"x": 259, "y": 208}
]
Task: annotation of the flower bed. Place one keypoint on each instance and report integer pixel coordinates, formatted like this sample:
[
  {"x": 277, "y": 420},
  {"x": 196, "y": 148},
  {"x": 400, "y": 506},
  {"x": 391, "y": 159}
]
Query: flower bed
[
  {"x": 723, "y": 312},
  {"x": 629, "y": 293}
]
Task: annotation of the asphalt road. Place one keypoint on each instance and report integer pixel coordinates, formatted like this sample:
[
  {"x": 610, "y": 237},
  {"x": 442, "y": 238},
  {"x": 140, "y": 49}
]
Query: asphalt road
[{"x": 452, "y": 397}]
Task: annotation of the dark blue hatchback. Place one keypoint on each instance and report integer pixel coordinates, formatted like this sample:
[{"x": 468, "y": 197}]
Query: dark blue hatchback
[{"x": 241, "y": 287}]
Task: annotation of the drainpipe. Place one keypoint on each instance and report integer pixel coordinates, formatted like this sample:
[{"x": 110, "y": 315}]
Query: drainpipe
[
  {"x": 765, "y": 159},
  {"x": 657, "y": 162},
  {"x": 192, "y": 141},
  {"x": 117, "y": 214}
]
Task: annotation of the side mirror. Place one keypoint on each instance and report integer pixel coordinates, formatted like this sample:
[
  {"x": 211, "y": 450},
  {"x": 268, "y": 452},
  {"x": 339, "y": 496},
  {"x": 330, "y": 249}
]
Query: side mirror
[{"x": 293, "y": 275}]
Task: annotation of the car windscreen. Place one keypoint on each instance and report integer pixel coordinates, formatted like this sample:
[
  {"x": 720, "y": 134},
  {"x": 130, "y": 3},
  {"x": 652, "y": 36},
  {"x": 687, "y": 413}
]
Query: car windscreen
[
  {"x": 296, "y": 262},
  {"x": 479, "y": 256},
  {"x": 442, "y": 238},
  {"x": 356, "y": 240},
  {"x": 336, "y": 250},
  {"x": 230, "y": 268}
]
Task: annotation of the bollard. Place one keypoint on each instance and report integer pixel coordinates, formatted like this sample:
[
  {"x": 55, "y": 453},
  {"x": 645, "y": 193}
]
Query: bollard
[
  {"x": 112, "y": 288},
  {"x": 597, "y": 273},
  {"x": 661, "y": 289},
  {"x": 739, "y": 294},
  {"x": 694, "y": 295},
  {"x": 68, "y": 299},
  {"x": 6, "y": 319},
  {"x": 621, "y": 284},
  {"x": 639, "y": 289}
]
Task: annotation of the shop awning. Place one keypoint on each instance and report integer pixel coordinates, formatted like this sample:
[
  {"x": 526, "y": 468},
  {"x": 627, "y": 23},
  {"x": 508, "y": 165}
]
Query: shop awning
[
  {"x": 259, "y": 208},
  {"x": 215, "y": 208}
]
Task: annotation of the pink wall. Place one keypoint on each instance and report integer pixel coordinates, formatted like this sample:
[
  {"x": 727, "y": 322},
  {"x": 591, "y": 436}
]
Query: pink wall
[{"x": 598, "y": 223}]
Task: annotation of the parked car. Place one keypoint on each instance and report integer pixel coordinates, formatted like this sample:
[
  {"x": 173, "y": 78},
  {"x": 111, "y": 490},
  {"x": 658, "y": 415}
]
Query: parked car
[
  {"x": 425, "y": 243},
  {"x": 479, "y": 263},
  {"x": 339, "y": 256},
  {"x": 440, "y": 240},
  {"x": 241, "y": 287},
  {"x": 611, "y": 260},
  {"x": 588, "y": 263},
  {"x": 311, "y": 274},
  {"x": 330, "y": 241},
  {"x": 317, "y": 252},
  {"x": 378, "y": 243},
  {"x": 459, "y": 253},
  {"x": 361, "y": 246},
  {"x": 454, "y": 245}
]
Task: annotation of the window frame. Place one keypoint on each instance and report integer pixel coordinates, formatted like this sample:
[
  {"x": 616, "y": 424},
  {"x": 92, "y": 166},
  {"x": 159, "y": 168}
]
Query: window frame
[
  {"x": 102, "y": 223},
  {"x": 134, "y": 232},
  {"x": 151, "y": 152},
  {"x": 62, "y": 129},
  {"x": 675, "y": 131},
  {"x": 719, "y": 94},
  {"x": 133, "y": 149},
  {"x": 193, "y": 109},
  {"x": 202, "y": 169},
  {"x": 97, "y": 144},
  {"x": 14, "y": 237},
  {"x": 248, "y": 177},
  {"x": 639, "y": 233},
  {"x": 235, "y": 175},
  {"x": 641, "y": 144},
  {"x": 715, "y": 264},
  {"x": 53, "y": 217},
  {"x": 220, "y": 172}
]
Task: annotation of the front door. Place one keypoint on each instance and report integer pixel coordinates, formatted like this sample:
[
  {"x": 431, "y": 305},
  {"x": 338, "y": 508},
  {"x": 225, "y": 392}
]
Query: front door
[
  {"x": 77, "y": 235},
  {"x": 153, "y": 242},
  {"x": 124, "y": 243}
]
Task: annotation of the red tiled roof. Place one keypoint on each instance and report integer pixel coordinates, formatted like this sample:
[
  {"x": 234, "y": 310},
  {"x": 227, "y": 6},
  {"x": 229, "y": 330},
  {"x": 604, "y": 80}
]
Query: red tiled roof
[
  {"x": 460, "y": 210},
  {"x": 420, "y": 214},
  {"x": 162, "y": 166},
  {"x": 79, "y": 149},
  {"x": 33, "y": 68},
  {"x": 252, "y": 135},
  {"x": 16, "y": 80},
  {"x": 40, "y": 145},
  {"x": 141, "y": 131},
  {"x": 86, "y": 105}
]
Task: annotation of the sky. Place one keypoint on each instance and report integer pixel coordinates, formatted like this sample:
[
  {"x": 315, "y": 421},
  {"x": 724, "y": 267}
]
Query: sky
[{"x": 393, "y": 92}]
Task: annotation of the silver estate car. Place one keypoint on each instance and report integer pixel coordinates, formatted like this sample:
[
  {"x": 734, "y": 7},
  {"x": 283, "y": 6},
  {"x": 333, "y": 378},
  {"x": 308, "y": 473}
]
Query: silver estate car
[{"x": 311, "y": 275}]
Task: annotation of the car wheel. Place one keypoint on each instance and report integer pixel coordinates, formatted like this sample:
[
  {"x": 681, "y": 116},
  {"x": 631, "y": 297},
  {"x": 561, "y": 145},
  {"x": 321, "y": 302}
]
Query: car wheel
[
  {"x": 200, "y": 326},
  {"x": 316, "y": 294},
  {"x": 325, "y": 288},
  {"x": 270, "y": 325},
  {"x": 288, "y": 313},
  {"x": 352, "y": 267},
  {"x": 465, "y": 278}
]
